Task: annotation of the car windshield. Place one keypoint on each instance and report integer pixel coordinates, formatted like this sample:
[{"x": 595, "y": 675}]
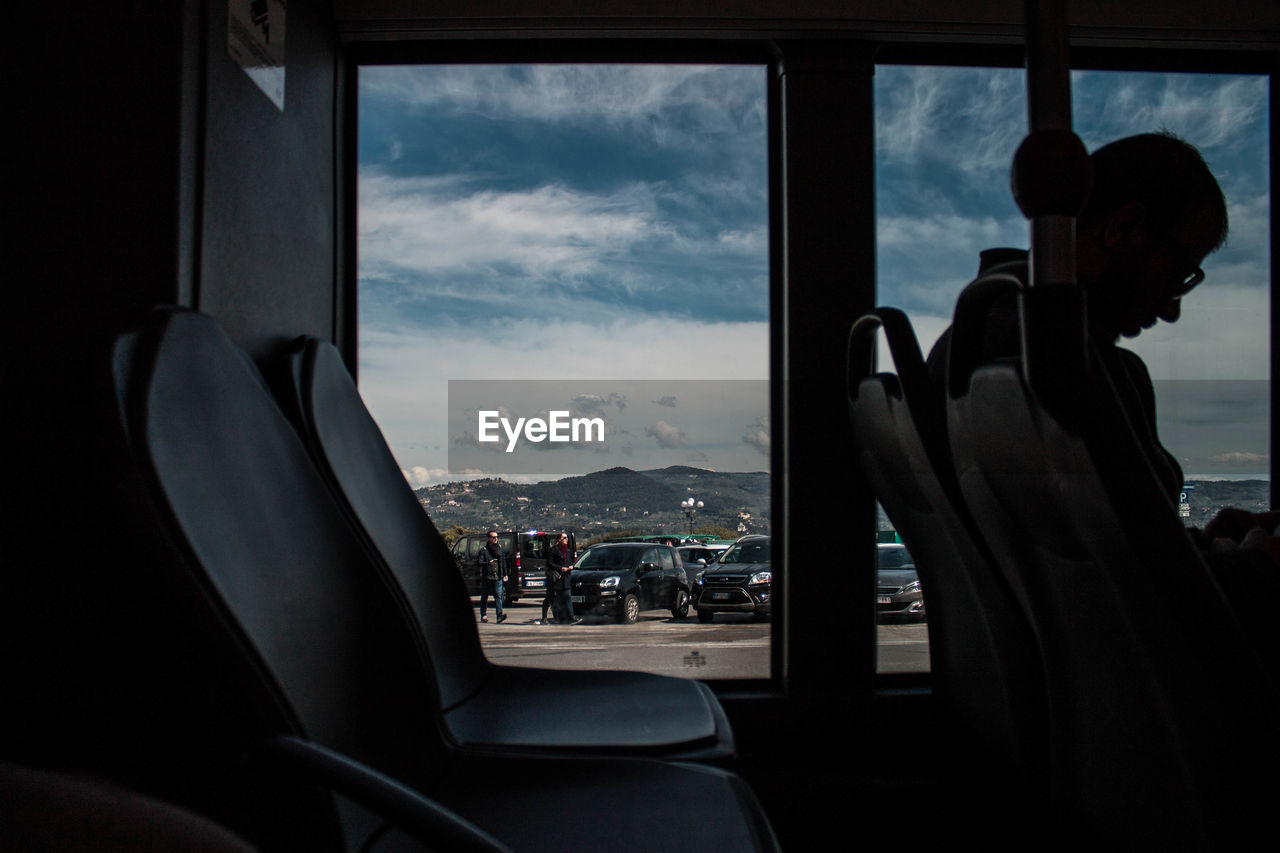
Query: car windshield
[
  {"x": 606, "y": 558},
  {"x": 747, "y": 552},
  {"x": 894, "y": 558}
]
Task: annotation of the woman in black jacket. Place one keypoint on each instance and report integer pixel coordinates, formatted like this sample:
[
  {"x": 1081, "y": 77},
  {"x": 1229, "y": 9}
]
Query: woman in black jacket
[{"x": 559, "y": 565}]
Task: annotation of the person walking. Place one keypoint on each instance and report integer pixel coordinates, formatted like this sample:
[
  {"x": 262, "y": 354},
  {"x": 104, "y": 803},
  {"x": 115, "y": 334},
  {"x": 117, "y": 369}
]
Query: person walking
[{"x": 493, "y": 573}]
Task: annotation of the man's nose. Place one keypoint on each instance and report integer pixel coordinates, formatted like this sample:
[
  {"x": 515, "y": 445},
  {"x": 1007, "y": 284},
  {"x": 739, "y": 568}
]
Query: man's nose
[{"x": 1171, "y": 311}]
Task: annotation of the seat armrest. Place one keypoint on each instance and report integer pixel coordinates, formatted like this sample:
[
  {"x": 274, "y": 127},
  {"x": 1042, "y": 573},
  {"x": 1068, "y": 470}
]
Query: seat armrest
[{"x": 417, "y": 815}]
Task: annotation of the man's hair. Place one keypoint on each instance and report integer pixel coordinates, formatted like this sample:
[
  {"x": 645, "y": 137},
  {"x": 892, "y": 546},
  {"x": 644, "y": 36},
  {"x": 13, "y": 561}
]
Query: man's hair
[{"x": 1163, "y": 173}]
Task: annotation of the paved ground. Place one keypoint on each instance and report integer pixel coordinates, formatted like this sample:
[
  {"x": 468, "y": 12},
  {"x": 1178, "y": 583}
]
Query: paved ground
[{"x": 734, "y": 646}]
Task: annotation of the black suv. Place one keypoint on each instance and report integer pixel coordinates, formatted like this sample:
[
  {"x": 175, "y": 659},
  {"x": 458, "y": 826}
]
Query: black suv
[
  {"x": 741, "y": 581},
  {"x": 622, "y": 578},
  {"x": 528, "y": 552}
]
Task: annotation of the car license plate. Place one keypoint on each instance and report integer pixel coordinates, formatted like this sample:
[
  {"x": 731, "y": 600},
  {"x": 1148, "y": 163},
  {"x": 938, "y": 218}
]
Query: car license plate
[
  {"x": 883, "y": 599},
  {"x": 720, "y": 596},
  {"x": 579, "y": 599},
  {"x": 538, "y": 582}
]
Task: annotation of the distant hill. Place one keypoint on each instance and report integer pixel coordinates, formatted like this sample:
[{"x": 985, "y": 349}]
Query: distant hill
[
  {"x": 612, "y": 487},
  {"x": 1209, "y": 496},
  {"x": 1204, "y": 500},
  {"x": 618, "y": 499},
  {"x": 612, "y": 500}
]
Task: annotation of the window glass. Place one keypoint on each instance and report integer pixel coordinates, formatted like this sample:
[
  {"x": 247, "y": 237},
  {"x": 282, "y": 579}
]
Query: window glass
[
  {"x": 945, "y": 138},
  {"x": 586, "y": 243},
  {"x": 536, "y": 547}
]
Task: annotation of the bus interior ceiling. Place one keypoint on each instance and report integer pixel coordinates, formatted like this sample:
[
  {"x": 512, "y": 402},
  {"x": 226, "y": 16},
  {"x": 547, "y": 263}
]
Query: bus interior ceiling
[{"x": 147, "y": 168}]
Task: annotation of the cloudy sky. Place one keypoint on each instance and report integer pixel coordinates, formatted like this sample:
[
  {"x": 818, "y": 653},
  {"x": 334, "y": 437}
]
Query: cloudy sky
[
  {"x": 609, "y": 223},
  {"x": 944, "y": 140}
]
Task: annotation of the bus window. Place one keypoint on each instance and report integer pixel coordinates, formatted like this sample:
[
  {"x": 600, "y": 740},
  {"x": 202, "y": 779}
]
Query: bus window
[
  {"x": 581, "y": 248},
  {"x": 945, "y": 138}
]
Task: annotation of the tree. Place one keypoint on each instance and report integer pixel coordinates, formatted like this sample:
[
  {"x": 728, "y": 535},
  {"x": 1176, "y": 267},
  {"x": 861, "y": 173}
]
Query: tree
[
  {"x": 716, "y": 530},
  {"x": 454, "y": 533}
]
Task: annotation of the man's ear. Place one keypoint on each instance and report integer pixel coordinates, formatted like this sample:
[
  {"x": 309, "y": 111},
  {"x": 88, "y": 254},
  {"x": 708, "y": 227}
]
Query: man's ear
[{"x": 1126, "y": 227}]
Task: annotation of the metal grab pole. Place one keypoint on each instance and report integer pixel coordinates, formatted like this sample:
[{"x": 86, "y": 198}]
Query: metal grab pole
[
  {"x": 1048, "y": 70},
  {"x": 1051, "y": 179}
]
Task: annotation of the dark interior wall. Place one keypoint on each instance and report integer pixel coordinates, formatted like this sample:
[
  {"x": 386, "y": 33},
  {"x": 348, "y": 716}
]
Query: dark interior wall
[
  {"x": 99, "y": 182},
  {"x": 268, "y": 214},
  {"x": 95, "y": 172},
  {"x": 145, "y": 168}
]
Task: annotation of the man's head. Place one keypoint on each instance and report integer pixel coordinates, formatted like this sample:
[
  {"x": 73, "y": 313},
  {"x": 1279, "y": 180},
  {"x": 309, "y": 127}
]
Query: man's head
[{"x": 1154, "y": 214}]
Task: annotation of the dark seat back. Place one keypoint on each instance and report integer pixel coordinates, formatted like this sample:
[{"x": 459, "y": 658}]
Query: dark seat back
[
  {"x": 345, "y": 441},
  {"x": 1162, "y": 717},
  {"x": 984, "y": 659},
  {"x": 286, "y": 621}
]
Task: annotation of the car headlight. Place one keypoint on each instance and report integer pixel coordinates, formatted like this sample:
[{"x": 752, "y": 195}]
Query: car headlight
[
  {"x": 914, "y": 586},
  {"x": 761, "y": 577},
  {"x": 609, "y": 582},
  {"x": 698, "y": 577}
]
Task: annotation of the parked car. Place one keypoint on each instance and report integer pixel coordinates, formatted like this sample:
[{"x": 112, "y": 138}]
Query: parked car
[
  {"x": 528, "y": 550},
  {"x": 898, "y": 595},
  {"x": 697, "y": 557},
  {"x": 740, "y": 581},
  {"x": 622, "y": 579}
]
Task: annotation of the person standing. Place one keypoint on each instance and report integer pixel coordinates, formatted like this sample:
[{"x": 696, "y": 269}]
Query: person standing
[
  {"x": 493, "y": 574},
  {"x": 559, "y": 565},
  {"x": 1155, "y": 212}
]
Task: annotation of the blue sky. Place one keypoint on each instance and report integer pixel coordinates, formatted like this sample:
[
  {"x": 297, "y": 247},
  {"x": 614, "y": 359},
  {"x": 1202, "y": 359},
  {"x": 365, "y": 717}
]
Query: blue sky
[
  {"x": 609, "y": 223},
  {"x": 561, "y": 222}
]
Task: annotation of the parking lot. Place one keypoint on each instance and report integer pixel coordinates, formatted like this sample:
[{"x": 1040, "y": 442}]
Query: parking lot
[{"x": 734, "y": 646}]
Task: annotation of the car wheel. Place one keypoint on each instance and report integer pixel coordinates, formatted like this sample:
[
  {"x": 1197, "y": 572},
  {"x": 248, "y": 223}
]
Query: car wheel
[
  {"x": 629, "y": 609},
  {"x": 680, "y": 609},
  {"x": 706, "y": 615}
]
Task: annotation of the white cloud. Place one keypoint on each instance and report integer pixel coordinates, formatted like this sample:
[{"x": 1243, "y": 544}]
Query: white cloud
[
  {"x": 417, "y": 476},
  {"x": 665, "y": 434},
  {"x": 1210, "y": 117},
  {"x": 717, "y": 99},
  {"x": 947, "y": 231},
  {"x": 983, "y": 112},
  {"x": 415, "y": 225},
  {"x": 1240, "y": 458},
  {"x": 759, "y": 436},
  {"x": 404, "y": 373}
]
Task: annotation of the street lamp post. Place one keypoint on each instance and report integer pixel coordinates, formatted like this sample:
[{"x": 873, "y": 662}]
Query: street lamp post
[{"x": 691, "y": 508}]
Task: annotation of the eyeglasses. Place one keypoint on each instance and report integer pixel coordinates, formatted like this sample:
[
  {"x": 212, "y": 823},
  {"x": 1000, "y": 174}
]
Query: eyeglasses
[
  {"x": 1191, "y": 279},
  {"x": 1189, "y": 283},
  {"x": 493, "y": 536}
]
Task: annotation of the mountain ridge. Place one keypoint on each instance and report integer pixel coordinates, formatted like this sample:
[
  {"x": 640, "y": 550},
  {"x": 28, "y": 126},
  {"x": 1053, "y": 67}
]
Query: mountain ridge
[{"x": 610, "y": 500}]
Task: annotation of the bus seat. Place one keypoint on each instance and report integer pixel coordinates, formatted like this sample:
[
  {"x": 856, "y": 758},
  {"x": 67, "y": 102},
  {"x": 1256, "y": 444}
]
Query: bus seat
[
  {"x": 1162, "y": 718},
  {"x": 986, "y": 672},
  {"x": 277, "y": 596},
  {"x": 495, "y": 707}
]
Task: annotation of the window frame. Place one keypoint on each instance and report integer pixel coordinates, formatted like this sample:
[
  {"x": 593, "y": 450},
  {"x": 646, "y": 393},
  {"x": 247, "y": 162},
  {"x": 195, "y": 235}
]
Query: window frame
[{"x": 812, "y": 290}]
